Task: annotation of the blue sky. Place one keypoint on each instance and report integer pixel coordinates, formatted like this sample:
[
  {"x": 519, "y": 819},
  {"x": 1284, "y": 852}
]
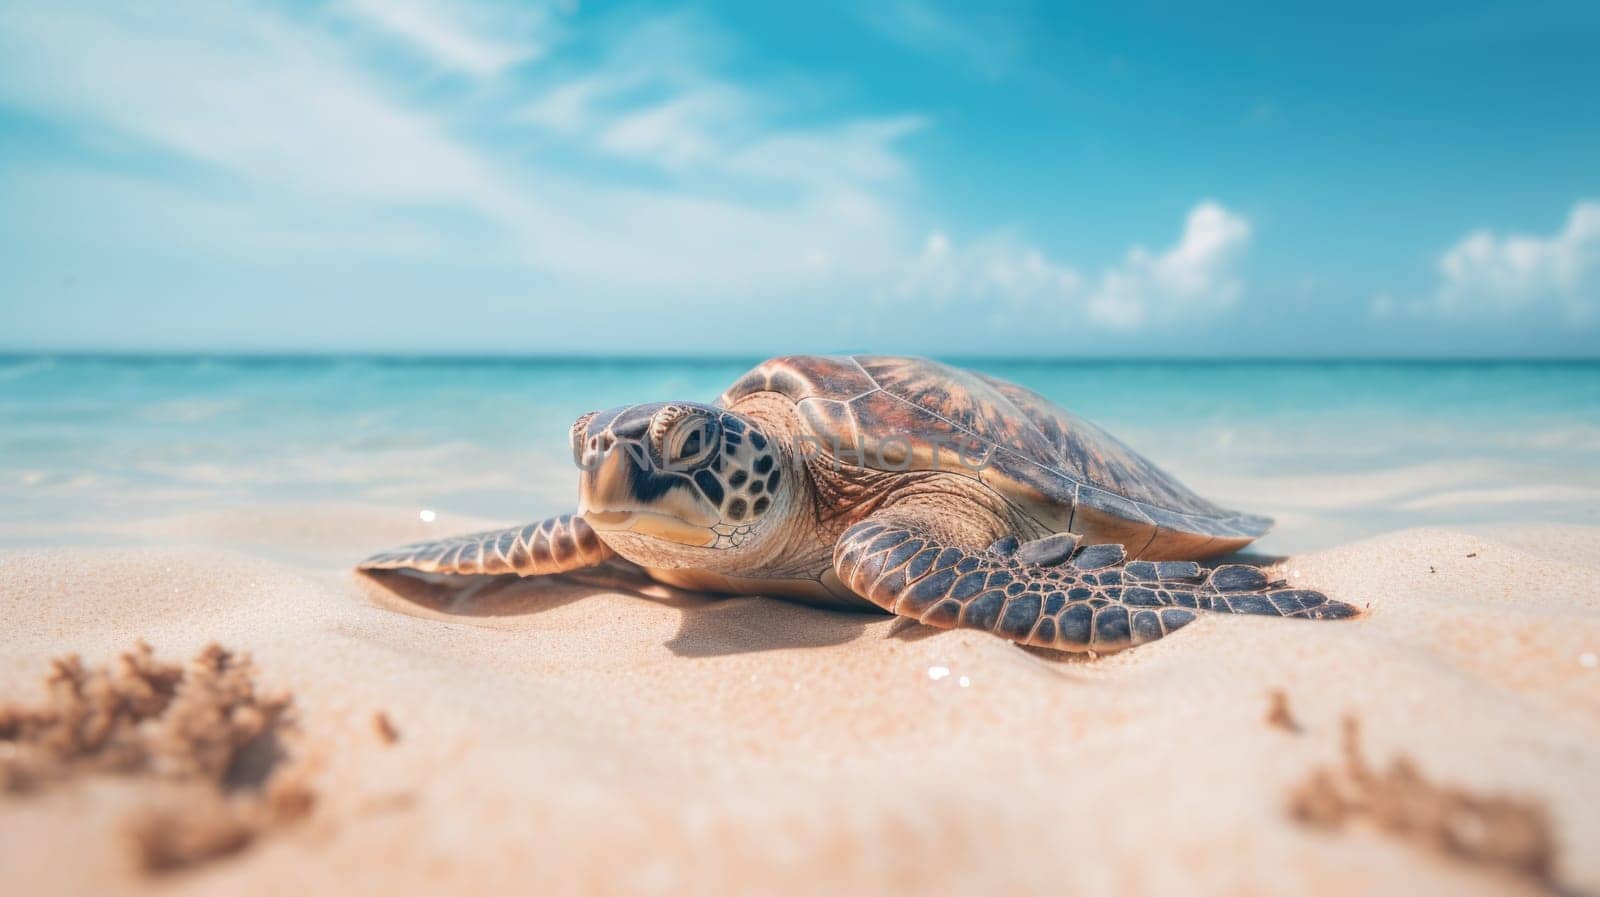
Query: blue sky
[{"x": 740, "y": 178}]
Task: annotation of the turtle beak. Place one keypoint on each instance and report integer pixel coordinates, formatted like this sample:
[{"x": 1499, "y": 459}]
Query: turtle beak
[{"x": 619, "y": 491}]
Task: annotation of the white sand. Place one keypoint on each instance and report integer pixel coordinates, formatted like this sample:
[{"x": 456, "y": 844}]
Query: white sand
[{"x": 557, "y": 736}]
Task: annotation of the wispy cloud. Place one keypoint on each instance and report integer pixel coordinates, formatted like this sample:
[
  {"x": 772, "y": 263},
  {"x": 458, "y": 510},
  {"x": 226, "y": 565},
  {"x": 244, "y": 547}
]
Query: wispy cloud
[
  {"x": 1489, "y": 271},
  {"x": 1195, "y": 276},
  {"x": 286, "y": 111},
  {"x": 645, "y": 173},
  {"x": 241, "y": 91},
  {"x": 989, "y": 45},
  {"x": 474, "y": 38},
  {"x": 650, "y": 103}
]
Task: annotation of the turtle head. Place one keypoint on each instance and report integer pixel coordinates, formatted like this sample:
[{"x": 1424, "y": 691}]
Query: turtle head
[{"x": 664, "y": 484}]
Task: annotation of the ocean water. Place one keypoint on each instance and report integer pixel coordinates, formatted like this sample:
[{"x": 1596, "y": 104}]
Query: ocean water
[{"x": 1335, "y": 450}]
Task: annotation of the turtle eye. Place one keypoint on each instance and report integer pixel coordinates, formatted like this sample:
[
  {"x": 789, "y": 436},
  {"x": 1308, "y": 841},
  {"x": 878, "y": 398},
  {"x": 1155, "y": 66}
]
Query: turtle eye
[{"x": 690, "y": 441}]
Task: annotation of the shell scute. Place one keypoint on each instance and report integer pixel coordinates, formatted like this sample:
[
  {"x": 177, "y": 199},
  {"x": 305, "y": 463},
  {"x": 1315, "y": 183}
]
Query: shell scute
[{"x": 897, "y": 414}]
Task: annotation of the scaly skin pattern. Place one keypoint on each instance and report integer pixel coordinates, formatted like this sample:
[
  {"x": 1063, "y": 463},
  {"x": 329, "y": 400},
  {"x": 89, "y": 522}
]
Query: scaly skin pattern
[
  {"x": 1083, "y": 599},
  {"x": 552, "y": 545}
]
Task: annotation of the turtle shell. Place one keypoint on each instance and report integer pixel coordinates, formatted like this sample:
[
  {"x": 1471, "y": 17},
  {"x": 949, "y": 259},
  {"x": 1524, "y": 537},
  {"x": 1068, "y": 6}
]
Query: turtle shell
[{"x": 911, "y": 414}]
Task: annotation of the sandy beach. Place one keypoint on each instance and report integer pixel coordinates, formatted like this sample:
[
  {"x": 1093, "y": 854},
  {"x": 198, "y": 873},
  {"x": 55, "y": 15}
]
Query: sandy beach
[{"x": 590, "y": 734}]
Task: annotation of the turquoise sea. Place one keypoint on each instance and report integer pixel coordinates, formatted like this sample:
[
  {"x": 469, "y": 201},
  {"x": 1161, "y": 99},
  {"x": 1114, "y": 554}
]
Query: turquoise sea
[{"x": 1335, "y": 450}]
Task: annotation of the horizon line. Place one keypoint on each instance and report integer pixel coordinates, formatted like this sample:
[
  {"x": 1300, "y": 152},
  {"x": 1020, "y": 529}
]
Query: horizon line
[{"x": 275, "y": 355}]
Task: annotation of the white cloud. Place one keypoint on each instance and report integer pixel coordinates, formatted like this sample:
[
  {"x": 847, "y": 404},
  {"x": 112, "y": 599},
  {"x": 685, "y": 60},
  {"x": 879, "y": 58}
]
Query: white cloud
[
  {"x": 1504, "y": 273},
  {"x": 459, "y": 36},
  {"x": 1197, "y": 275},
  {"x": 997, "y": 268}
]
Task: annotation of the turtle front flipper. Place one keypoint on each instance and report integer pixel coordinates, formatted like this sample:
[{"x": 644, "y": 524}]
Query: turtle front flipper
[
  {"x": 554, "y": 545},
  {"x": 1050, "y": 593}
]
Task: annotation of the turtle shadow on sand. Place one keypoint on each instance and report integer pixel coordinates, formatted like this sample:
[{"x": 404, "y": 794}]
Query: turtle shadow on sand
[
  {"x": 740, "y": 625},
  {"x": 459, "y": 595},
  {"x": 1247, "y": 558},
  {"x": 709, "y": 626}
]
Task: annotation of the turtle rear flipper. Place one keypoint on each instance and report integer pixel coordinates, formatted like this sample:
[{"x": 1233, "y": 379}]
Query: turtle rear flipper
[
  {"x": 1090, "y": 600},
  {"x": 553, "y": 545}
]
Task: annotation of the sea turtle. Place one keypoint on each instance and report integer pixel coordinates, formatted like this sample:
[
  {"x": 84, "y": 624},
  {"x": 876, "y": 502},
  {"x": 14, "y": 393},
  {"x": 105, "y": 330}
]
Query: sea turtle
[{"x": 901, "y": 484}]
